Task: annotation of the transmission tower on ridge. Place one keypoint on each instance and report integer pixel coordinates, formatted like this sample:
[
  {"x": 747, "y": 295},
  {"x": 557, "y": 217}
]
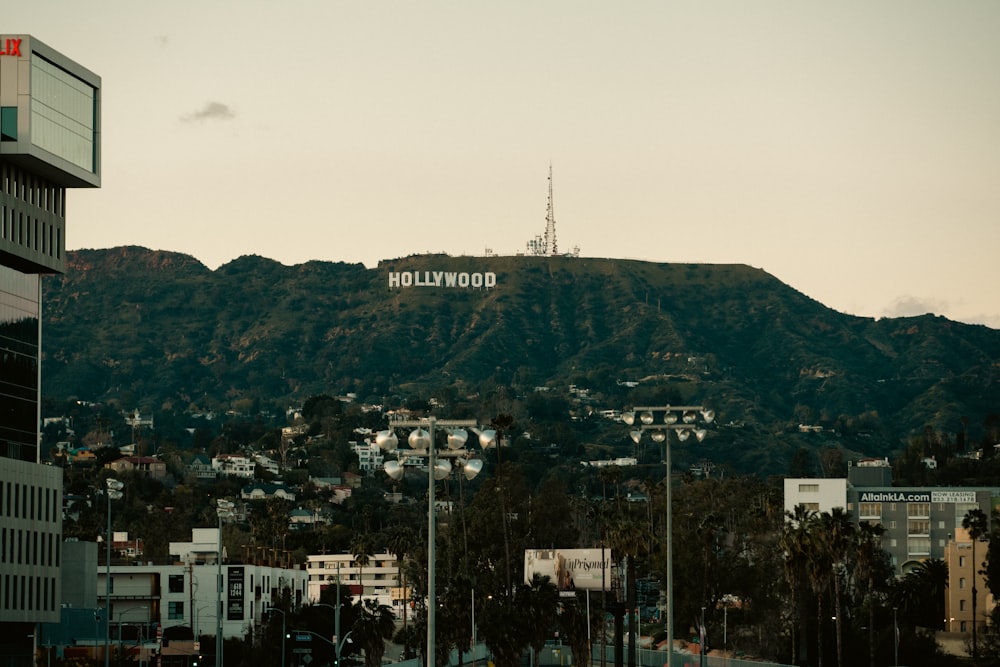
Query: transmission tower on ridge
[{"x": 551, "y": 248}]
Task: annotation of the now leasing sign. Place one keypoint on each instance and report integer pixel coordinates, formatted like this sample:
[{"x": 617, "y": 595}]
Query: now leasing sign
[{"x": 476, "y": 280}]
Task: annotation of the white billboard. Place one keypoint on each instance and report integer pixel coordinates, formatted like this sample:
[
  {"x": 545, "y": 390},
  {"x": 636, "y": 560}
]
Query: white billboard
[{"x": 570, "y": 569}]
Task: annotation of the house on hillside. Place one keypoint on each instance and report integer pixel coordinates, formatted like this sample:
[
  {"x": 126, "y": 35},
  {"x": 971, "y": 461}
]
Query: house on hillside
[
  {"x": 234, "y": 465},
  {"x": 146, "y": 466},
  {"x": 201, "y": 467},
  {"x": 265, "y": 491}
]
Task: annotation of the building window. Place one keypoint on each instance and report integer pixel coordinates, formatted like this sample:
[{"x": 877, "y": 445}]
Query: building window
[
  {"x": 808, "y": 488},
  {"x": 921, "y": 510},
  {"x": 175, "y": 611},
  {"x": 175, "y": 583},
  {"x": 919, "y": 546},
  {"x": 869, "y": 510},
  {"x": 961, "y": 561},
  {"x": 961, "y": 582},
  {"x": 961, "y": 605},
  {"x": 963, "y": 629},
  {"x": 812, "y": 507},
  {"x": 918, "y": 527}
]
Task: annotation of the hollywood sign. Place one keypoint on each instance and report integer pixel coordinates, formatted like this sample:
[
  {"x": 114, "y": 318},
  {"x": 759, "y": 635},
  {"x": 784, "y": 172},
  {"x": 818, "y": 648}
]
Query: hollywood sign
[{"x": 484, "y": 280}]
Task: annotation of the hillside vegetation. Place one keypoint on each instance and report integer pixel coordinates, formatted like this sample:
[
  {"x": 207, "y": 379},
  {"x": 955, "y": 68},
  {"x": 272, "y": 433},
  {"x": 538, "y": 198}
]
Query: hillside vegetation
[{"x": 160, "y": 331}]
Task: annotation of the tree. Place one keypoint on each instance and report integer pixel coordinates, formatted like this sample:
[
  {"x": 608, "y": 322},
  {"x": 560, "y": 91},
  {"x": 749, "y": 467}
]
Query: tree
[
  {"x": 373, "y": 626},
  {"x": 871, "y": 565},
  {"x": 794, "y": 545},
  {"x": 540, "y": 601},
  {"x": 977, "y": 523},
  {"x": 838, "y": 534},
  {"x": 362, "y": 549},
  {"x": 577, "y": 628},
  {"x": 399, "y": 542}
]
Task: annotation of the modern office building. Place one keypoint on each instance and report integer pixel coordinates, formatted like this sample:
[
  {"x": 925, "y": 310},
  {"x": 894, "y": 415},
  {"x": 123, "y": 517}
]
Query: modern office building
[
  {"x": 919, "y": 523},
  {"x": 154, "y": 597},
  {"x": 50, "y": 110}
]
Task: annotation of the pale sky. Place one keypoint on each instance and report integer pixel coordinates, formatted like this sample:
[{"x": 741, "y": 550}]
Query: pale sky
[{"x": 850, "y": 148}]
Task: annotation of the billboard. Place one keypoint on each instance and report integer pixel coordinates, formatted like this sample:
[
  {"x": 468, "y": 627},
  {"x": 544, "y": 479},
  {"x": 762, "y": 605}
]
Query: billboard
[
  {"x": 234, "y": 608},
  {"x": 570, "y": 569}
]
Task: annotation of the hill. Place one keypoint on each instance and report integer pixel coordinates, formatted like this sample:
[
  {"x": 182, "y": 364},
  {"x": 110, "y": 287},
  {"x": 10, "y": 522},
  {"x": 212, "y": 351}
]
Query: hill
[{"x": 158, "y": 330}]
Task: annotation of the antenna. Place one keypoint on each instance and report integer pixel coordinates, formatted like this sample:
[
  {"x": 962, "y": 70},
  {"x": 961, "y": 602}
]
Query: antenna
[{"x": 551, "y": 248}]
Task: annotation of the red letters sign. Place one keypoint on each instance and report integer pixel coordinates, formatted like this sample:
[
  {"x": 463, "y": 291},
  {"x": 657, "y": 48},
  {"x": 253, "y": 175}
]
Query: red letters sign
[{"x": 11, "y": 47}]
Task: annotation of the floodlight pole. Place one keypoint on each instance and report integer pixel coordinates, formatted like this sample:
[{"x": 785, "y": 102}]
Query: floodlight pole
[
  {"x": 661, "y": 433},
  {"x": 430, "y": 423}
]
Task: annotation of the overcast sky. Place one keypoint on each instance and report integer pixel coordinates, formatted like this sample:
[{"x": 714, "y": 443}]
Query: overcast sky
[{"x": 849, "y": 148}]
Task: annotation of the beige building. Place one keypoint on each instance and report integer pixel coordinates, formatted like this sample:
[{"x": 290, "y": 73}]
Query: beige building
[
  {"x": 378, "y": 580},
  {"x": 964, "y": 571}
]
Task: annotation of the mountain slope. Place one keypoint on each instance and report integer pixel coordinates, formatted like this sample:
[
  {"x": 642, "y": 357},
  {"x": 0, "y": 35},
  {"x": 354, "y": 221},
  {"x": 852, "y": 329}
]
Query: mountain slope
[{"x": 151, "y": 328}]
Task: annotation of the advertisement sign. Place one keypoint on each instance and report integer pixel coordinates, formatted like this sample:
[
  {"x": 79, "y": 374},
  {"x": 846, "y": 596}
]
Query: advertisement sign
[
  {"x": 234, "y": 605},
  {"x": 570, "y": 569}
]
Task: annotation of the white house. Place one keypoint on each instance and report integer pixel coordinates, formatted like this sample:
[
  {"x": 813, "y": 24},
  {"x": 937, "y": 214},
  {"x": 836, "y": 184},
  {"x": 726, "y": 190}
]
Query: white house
[{"x": 234, "y": 465}]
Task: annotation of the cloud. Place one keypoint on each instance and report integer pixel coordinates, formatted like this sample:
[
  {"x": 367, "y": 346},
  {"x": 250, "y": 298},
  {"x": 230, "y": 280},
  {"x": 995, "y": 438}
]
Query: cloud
[
  {"x": 911, "y": 306},
  {"x": 211, "y": 111}
]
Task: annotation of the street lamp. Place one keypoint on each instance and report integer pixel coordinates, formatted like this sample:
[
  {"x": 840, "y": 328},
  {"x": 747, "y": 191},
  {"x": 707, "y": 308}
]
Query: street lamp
[
  {"x": 197, "y": 616},
  {"x": 439, "y": 466},
  {"x": 224, "y": 509},
  {"x": 682, "y": 420},
  {"x": 120, "y": 614},
  {"x": 113, "y": 491},
  {"x": 282, "y": 633}
]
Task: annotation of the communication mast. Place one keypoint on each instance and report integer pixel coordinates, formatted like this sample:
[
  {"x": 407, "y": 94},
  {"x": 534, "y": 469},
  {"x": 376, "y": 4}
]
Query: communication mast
[
  {"x": 550, "y": 222},
  {"x": 545, "y": 245}
]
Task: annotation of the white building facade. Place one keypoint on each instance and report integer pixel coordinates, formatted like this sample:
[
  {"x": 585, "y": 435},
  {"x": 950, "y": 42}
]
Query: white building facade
[
  {"x": 378, "y": 580},
  {"x": 185, "y": 593}
]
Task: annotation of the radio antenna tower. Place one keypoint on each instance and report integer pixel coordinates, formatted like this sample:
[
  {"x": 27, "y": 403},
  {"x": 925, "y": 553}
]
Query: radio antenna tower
[{"x": 550, "y": 222}]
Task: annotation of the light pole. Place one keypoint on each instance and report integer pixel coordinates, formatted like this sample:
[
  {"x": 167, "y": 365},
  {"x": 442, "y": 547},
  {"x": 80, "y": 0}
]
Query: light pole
[
  {"x": 439, "y": 466},
  {"x": 224, "y": 509},
  {"x": 113, "y": 491},
  {"x": 282, "y": 633},
  {"x": 197, "y": 616},
  {"x": 120, "y": 614},
  {"x": 682, "y": 420},
  {"x": 340, "y": 645},
  {"x": 336, "y": 614}
]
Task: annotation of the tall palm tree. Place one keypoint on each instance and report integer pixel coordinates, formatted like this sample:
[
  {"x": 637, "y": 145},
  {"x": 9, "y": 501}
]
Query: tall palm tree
[
  {"x": 977, "y": 523},
  {"x": 837, "y": 533},
  {"x": 373, "y": 626},
  {"x": 794, "y": 547},
  {"x": 362, "y": 549},
  {"x": 869, "y": 560},
  {"x": 626, "y": 535},
  {"x": 540, "y": 599},
  {"x": 399, "y": 543},
  {"x": 819, "y": 567}
]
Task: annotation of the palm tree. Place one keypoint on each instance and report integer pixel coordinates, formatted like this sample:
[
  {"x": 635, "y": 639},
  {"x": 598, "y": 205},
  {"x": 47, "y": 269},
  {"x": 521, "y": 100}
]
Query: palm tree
[
  {"x": 373, "y": 626},
  {"x": 794, "y": 546},
  {"x": 399, "y": 543},
  {"x": 977, "y": 523},
  {"x": 870, "y": 560},
  {"x": 362, "y": 550},
  {"x": 627, "y": 537},
  {"x": 540, "y": 600},
  {"x": 838, "y": 533},
  {"x": 819, "y": 567}
]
